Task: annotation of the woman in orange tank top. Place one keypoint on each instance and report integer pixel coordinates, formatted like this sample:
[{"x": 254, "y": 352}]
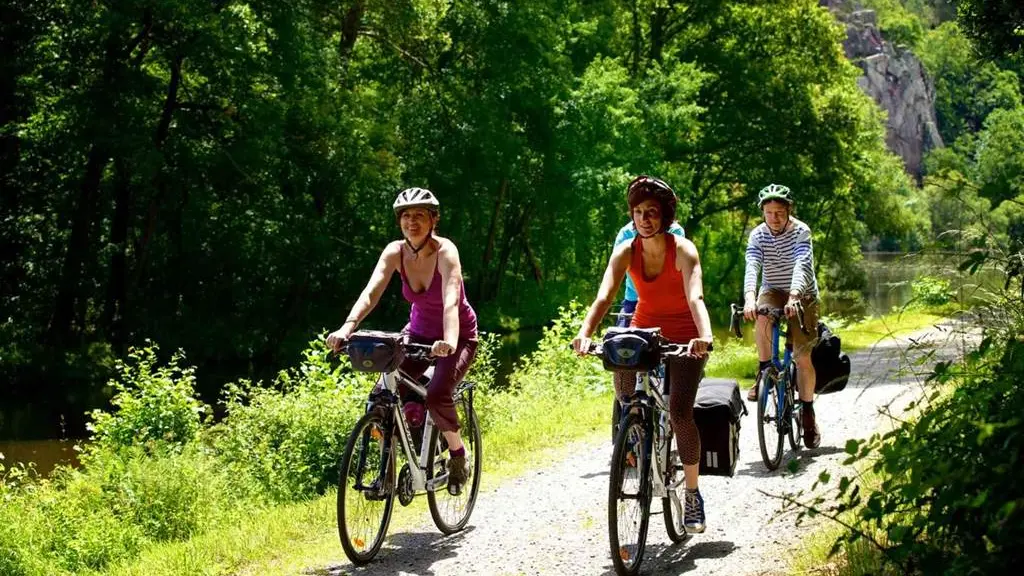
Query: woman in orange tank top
[{"x": 667, "y": 274}]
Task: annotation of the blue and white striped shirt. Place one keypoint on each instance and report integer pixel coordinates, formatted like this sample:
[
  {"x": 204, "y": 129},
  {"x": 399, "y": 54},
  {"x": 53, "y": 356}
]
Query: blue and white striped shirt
[{"x": 786, "y": 261}]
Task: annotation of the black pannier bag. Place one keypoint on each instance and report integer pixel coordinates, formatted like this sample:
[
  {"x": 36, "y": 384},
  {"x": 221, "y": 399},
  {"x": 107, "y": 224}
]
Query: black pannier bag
[
  {"x": 373, "y": 351},
  {"x": 631, "y": 348},
  {"x": 718, "y": 410},
  {"x": 831, "y": 366}
]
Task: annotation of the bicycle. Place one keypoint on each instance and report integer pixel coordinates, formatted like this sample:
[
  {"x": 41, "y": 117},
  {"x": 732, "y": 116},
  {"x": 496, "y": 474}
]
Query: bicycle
[
  {"x": 636, "y": 478},
  {"x": 367, "y": 484},
  {"x": 778, "y": 408}
]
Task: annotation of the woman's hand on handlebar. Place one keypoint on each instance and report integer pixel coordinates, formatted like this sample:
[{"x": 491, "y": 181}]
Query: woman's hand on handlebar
[
  {"x": 441, "y": 349},
  {"x": 581, "y": 344},
  {"x": 338, "y": 338},
  {"x": 699, "y": 347}
]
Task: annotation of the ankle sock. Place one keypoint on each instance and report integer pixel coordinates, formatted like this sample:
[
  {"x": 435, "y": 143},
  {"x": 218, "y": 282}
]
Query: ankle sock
[
  {"x": 762, "y": 364},
  {"x": 459, "y": 452}
]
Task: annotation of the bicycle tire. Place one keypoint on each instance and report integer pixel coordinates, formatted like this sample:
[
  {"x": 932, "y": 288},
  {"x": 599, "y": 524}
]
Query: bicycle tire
[
  {"x": 360, "y": 529},
  {"x": 769, "y": 430},
  {"x": 673, "y": 506},
  {"x": 796, "y": 426},
  {"x": 632, "y": 438},
  {"x": 451, "y": 511},
  {"x": 616, "y": 417}
]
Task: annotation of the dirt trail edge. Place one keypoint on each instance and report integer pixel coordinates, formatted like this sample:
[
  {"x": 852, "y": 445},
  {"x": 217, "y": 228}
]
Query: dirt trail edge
[{"x": 554, "y": 520}]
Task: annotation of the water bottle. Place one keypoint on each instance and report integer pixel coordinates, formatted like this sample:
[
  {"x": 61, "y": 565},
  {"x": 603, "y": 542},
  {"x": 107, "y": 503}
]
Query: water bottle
[{"x": 415, "y": 415}]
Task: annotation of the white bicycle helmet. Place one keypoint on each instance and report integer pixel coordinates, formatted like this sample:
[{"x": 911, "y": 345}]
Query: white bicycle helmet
[
  {"x": 774, "y": 192},
  {"x": 416, "y": 198}
]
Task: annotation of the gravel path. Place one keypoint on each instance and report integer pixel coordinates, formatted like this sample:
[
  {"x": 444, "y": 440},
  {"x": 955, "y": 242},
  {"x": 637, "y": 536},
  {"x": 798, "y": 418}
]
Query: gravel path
[{"x": 554, "y": 521}]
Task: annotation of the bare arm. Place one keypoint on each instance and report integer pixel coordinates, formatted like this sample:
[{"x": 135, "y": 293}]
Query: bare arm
[
  {"x": 618, "y": 264},
  {"x": 367, "y": 301},
  {"x": 451, "y": 289},
  {"x": 688, "y": 262},
  {"x": 754, "y": 263}
]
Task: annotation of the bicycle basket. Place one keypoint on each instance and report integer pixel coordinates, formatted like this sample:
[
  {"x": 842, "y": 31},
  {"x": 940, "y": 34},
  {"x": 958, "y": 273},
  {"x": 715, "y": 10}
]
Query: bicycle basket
[
  {"x": 634, "y": 349},
  {"x": 372, "y": 351}
]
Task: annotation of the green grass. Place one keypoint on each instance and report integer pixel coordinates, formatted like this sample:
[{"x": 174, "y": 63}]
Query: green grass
[
  {"x": 738, "y": 359},
  {"x": 292, "y": 538},
  {"x": 885, "y": 329}
]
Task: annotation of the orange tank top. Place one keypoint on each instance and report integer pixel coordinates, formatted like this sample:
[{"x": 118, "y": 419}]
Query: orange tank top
[{"x": 662, "y": 299}]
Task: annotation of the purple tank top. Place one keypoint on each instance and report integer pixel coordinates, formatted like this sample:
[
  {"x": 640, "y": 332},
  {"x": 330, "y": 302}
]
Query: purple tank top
[{"x": 426, "y": 320}]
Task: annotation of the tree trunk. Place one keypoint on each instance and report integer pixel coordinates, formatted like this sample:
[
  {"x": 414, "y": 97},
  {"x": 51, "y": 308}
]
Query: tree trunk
[
  {"x": 636, "y": 40},
  {"x": 117, "y": 294},
  {"x": 79, "y": 241},
  {"x": 535, "y": 267},
  {"x": 514, "y": 230},
  {"x": 658, "y": 19},
  {"x": 350, "y": 28},
  {"x": 77, "y": 247},
  {"x": 483, "y": 281}
]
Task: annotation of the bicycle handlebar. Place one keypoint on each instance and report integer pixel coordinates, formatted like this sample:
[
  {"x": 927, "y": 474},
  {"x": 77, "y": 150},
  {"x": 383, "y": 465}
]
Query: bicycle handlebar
[
  {"x": 668, "y": 349},
  {"x": 776, "y": 314},
  {"x": 413, "y": 350}
]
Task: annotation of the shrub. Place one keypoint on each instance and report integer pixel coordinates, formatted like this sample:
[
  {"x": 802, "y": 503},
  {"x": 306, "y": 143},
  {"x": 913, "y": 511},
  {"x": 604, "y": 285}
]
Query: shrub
[
  {"x": 931, "y": 291},
  {"x": 289, "y": 437},
  {"x": 155, "y": 406}
]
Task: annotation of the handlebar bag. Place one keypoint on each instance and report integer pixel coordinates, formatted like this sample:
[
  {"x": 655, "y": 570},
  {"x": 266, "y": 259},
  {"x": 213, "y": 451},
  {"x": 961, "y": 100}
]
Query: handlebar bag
[
  {"x": 372, "y": 351},
  {"x": 635, "y": 349}
]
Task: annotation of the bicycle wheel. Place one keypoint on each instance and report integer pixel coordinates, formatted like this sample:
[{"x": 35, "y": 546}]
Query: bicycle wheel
[
  {"x": 796, "y": 423},
  {"x": 673, "y": 505},
  {"x": 629, "y": 497},
  {"x": 451, "y": 511},
  {"x": 769, "y": 430},
  {"x": 366, "y": 489},
  {"x": 616, "y": 417}
]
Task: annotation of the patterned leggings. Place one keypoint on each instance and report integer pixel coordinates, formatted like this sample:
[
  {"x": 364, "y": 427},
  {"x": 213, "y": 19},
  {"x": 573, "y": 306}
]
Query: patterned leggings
[{"x": 684, "y": 376}]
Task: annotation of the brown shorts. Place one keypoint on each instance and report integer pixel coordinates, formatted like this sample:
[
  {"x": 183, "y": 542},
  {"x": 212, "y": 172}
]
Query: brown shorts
[{"x": 801, "y": 342}]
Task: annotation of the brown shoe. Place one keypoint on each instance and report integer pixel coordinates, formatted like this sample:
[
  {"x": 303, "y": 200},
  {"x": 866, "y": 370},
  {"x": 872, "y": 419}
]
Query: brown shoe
[
  {"x": 458, "y": 474},
  {"x": 752, "y": 395},
  {"x": 812, "y": 436}
]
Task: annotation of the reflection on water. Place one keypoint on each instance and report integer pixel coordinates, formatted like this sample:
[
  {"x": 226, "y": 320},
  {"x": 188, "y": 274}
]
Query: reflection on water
[
  {"x": 46, "y": 454},
  {"x": 890, "y": 280}
]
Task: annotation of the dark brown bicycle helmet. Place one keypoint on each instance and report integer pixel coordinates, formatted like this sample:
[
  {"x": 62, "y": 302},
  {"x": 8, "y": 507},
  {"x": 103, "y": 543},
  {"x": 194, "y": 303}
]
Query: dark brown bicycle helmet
[{"x": 651, "y": 188}]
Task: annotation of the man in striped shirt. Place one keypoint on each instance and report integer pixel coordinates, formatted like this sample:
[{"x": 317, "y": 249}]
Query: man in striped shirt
[{"x": 780, "y": 249}]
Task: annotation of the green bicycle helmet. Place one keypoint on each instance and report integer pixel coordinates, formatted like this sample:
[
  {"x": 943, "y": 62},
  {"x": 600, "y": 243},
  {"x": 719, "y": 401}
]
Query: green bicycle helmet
[{"x": 774, "y": 192}]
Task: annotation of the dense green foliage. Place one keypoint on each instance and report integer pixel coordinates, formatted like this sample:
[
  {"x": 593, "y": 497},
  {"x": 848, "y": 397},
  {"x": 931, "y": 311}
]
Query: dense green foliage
[
  {"x": 948, "y": 498},
  {"x": 216, "y": 176}
]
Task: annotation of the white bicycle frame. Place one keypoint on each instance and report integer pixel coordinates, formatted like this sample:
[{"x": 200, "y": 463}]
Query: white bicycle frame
[
  {"x": 418, "y": 473},
  {"x": 658, "y": 487}
]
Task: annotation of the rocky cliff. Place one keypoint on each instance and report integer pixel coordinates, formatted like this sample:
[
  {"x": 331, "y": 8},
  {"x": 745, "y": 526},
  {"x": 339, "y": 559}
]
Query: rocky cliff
[{"x": 895, "y": 78}]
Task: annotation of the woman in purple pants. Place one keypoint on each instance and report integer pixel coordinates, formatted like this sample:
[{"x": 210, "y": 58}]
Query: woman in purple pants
[{"x": 440, "y": 317}]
